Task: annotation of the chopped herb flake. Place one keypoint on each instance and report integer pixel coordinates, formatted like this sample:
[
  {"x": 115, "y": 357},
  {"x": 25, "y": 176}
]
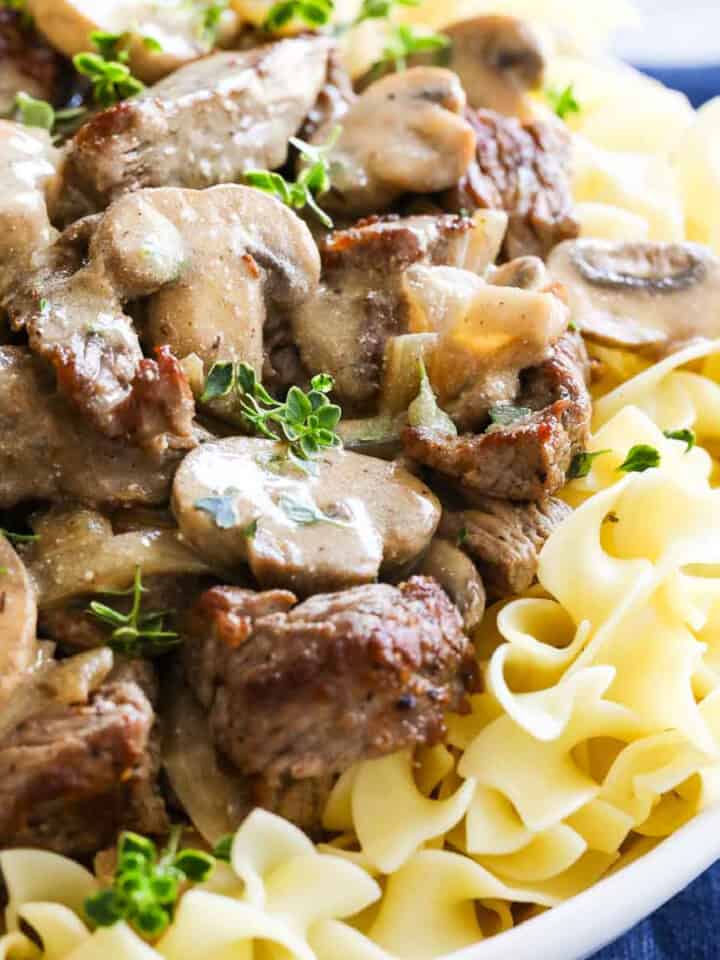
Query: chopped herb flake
[
  {"x": 581, "y": 464},
  {"x": 221, "y": 508},
  {"x": 684, "y": 436},
  {"x": 314, "y": 13},
  {"x": 305, "y": 514},
  {"x": 505, "y": 413},
  {"x": 641, "y": 457},
  {"x": 563, "y": 102}
]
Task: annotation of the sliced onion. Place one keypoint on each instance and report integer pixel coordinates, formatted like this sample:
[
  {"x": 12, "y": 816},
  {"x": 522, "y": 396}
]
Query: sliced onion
[
  {"x": 18, "y": 618},
  {"x": 93, "y": 560},
  {"x": 216, "y": 802},
  {"x": 56, "y": 683},
  {"x": 457, "y": 575}
]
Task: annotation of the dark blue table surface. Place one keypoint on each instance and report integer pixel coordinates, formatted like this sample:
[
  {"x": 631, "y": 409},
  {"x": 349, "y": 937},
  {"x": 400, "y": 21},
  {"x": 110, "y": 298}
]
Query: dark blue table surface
[{"x": 688, "y": 928}]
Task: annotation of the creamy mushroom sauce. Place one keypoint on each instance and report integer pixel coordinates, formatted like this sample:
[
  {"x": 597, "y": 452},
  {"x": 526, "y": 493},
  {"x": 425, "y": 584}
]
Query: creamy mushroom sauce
[{"x": 197, "y": 553}]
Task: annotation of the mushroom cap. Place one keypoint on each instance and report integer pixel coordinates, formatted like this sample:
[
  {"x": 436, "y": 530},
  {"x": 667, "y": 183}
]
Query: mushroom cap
[
  {"x": 18, "y": 619},
  {"x": 498, "y": 59},
  {"x": 651, "y": 297},
  {"x": 341, "y": 523},
  {"x": 405, "y": 134},
  {"x": 211, "y": 259}
]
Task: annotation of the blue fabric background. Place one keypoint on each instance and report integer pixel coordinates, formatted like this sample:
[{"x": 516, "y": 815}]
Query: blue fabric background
[{"x": 688, "y": 928}]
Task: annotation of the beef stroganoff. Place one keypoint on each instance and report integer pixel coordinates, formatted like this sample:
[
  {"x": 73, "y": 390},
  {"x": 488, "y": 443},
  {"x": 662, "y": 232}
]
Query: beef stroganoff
[{"x": 359, "y": 518}]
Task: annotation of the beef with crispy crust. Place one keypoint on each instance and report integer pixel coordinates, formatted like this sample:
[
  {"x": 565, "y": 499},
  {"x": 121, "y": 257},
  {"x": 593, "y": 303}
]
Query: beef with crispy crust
[
  {"x": 528, "y": 458},
  {"x": 298, "y": 692},
  {"x": 72, "y": 776},
  {"x": 524, "y": 170}
]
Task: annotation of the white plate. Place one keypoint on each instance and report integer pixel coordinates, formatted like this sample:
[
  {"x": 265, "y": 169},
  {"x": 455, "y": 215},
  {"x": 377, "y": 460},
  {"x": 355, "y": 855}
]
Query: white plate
[{"x": 598, "y": 916}]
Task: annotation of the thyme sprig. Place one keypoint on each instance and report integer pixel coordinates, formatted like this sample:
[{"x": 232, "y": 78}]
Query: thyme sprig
[
  {"x": 305, "y": 421},
  {"x": 137, "y": 633}
]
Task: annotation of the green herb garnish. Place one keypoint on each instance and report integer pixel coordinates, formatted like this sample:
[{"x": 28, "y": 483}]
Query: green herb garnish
[
  {"x": 684, "y": 436},
  {"x": 312, "y": 181},
  {"x": 305, "y": 421},
  {"x": 641, "y": 457},
  {"x": 462, "y": 537},
  {"x": 112, "y": 46},
  {"x": 404, "y": 41},
  {"x": 581, "y": 464},
  {"x": 211, "y": 21},
  {"x": 381, "y": 9},
  {"x": 305, "y": 514},
  {"x": 147, "y": 885},
  {"x": 223, "y": 848},
  {"x": 39, "y": 113},
  {"x": 221, "y": 508},
  {"x": 314, "y": 13},
  {"x": 503, "y": 414},
  {"x": 111, "y": 79},
  {"x": 137, "y": 633},
  {"x": 19, "y": 537},
  {"x": 563, "y": 102}
]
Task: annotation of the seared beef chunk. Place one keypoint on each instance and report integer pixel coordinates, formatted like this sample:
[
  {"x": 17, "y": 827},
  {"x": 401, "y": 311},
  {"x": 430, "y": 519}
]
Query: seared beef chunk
[
  {"x": 360, "y": 298},
  {"x": 204, "y": 263},
  {"x": 524, "y": 170},
  {"x": 72, "y": 776},
  {"x": 27, "y": 62},
  {"x": 528, "y": 458},
  {"x": 504, "y": 539},
  {"x": 204, "y": 124},
  {"x": 48, "y": 452},
  {"x": 298, "y": 692}
]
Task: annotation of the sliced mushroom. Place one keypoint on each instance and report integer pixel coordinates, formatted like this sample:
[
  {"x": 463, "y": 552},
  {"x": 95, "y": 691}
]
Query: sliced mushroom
[
  {"x": 177, "y": 28},
  {"x": 28, "y": 163},
  {"x": 405, "y": 134},
  {"x": 487, "y": 336},
  {"x": 208, "y": 260},
  {"x": 240, "y": 251},
  {"x": 18, "y": 618},
  {"x": 457, "y": 575},
  {"x": 651, "y": 297},
  {"x": 345, "y": 520},
  {"x": 499, "y": 60}
]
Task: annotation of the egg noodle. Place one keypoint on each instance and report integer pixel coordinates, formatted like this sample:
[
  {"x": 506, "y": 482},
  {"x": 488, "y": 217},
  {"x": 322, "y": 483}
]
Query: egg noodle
[{"x": 598, "y": 731}]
